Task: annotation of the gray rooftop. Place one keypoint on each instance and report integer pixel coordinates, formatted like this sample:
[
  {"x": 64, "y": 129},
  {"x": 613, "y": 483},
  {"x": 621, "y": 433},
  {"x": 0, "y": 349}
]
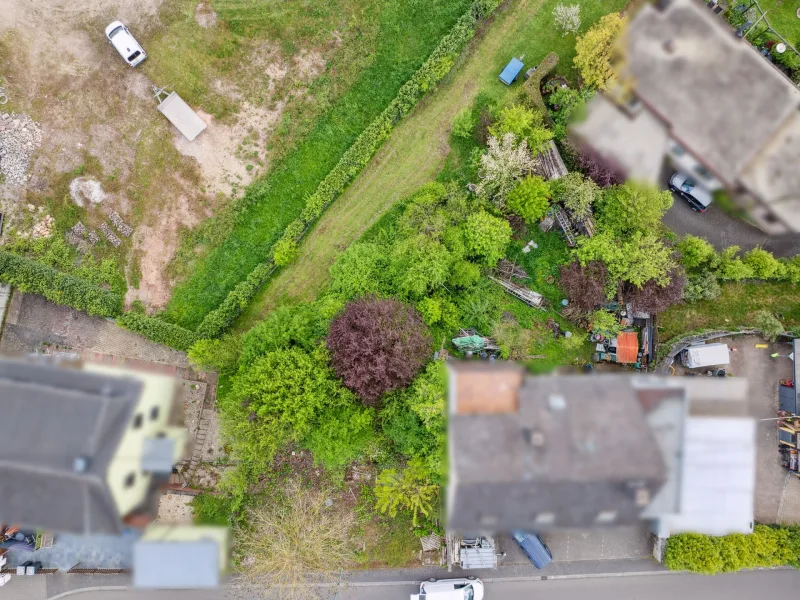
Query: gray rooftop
[
  {"x": 718, "y": 96},
  {"x": 59, "y": 431},
  {"x": 576, "y": 446}
]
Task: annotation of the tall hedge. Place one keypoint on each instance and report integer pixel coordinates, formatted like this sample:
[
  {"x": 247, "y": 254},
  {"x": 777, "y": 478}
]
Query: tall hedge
[
  {"x": 350, "y": 165},
  {"x": 38, "y": 278},
  {"x": 533, "y": 87},
  {"x": 157, "y": 330},
  {"x": 765, "y": 547}
]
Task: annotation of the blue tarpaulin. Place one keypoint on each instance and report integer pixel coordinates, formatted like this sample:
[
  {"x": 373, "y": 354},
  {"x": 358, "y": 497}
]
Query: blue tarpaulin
[{"x": 511, "y": 71}]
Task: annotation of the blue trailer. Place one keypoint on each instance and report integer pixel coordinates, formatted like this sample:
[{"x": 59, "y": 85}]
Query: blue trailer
[{"x": 512, "y": 71}]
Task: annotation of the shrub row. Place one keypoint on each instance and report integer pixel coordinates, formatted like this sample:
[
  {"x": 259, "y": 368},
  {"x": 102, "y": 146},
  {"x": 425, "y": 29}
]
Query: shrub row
[
  {"x": 32, "y": 276},
  {"x": 533, "y": 87},
  {"x": 157, "y": 330},
  {"x": 765, "y": 547},
  {"x": 350, "y": 165}
]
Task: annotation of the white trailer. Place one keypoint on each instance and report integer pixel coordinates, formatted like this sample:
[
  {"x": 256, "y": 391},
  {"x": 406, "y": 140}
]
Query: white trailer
[
  {"x": 179, "y": 114},
  {"x": 706, "y": 355}
]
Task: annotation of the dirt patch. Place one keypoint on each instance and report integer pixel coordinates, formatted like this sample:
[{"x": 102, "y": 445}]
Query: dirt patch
[
  {"x": 175, "y": 509},
  {"x": 230, "y": 156},
  {"x": 205, "y": 16},
  {"x": 156, "y": 244}
]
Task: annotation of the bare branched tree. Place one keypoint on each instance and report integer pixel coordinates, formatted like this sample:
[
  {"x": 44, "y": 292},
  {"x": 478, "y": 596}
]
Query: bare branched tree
[{"x": 292, "y": 544}]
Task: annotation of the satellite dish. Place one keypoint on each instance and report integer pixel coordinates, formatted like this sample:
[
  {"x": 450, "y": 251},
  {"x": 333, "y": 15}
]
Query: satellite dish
[{"x": 780, "y": 48}]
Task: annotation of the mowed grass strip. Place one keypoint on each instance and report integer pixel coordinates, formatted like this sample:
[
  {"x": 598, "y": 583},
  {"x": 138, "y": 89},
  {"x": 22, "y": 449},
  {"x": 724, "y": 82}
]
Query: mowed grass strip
[
  {"x": 409, "y": 31},
  {"x": 736, "y": 307},
  {"x": 418, "y": 148}
]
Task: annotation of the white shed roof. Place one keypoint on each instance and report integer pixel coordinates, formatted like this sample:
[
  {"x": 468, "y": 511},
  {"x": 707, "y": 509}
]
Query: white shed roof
[{"x": 718, "y": 478}]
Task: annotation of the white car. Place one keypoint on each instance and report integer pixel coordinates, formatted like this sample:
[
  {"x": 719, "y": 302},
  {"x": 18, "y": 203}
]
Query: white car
[
  {"x": 125, "y": 43},
  {"x": 450, "y": 589}
]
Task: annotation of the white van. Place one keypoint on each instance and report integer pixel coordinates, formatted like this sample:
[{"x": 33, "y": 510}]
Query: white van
[
  {"x": 450, "y": 589},
  {"x": 705, "y": 355}
]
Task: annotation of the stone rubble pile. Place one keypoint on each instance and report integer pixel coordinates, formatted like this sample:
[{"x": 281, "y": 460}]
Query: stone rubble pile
[
  {"x": 19, "y": 137},
  {"x": 109, "y": 235},
  {"x": 122, "y": 227}
]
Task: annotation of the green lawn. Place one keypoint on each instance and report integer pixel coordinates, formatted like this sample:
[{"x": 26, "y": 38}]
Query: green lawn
[
  {"x": 782, "y": 15},
  {"x": 734, "y": 308},
  {"x": 419, "y": 148},
  {"x": 275, "y": 200}
]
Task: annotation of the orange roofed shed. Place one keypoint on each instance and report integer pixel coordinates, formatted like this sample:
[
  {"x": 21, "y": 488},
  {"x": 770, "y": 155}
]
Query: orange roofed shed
[{"x": 627, "y": 346}]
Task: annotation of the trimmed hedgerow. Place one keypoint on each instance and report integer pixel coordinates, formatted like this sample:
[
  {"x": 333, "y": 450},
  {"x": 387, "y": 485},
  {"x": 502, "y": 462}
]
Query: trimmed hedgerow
[
  {"x": 765, "y": 547},
  {"x": 32, "y": 276},
  {"x": 533, "y": 86},
  {"x": 157, "y": 330},
  {"x": 222, "y": 317},
  {"x": 350, "y": 165}
]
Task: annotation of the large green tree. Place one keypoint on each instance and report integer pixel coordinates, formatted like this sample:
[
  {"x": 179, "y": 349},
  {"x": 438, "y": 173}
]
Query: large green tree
[
  {"x": 636, "y": 258},
  {"x": 576, "y": 193},
  {"x": 632, "y": 207}
]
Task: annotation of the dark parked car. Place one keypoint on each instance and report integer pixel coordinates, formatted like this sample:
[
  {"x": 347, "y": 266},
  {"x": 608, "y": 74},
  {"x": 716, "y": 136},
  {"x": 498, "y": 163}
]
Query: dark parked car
[
  {"x": 697, "y": 197},
  {"x": 537, "y": 551}
]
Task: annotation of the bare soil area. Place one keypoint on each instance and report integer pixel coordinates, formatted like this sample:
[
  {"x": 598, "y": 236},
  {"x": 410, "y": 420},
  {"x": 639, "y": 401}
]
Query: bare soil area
[{"x": 98, "y": 119}]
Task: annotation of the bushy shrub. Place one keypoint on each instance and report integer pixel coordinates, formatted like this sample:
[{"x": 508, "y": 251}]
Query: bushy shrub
[
  {"x": 576, "y": 193},
  {"x": 277, "y": 400},
  {"x": 769, "y": 324},
  {"x": 567, "y": 18},
  {"x": 157, "y": 330},
  {"x": 530, "y": 199},
  {"x": 525, "y": 124},
  {"x": 360, "y": 270},
  {"x": 765, "y": 547},
  {"x": 696, "y": 253},
  {"x": 764, "y": 264},
  {"x": 655, "y": 298},
  {"x": 487, "y": 237},
  {"x": 505, "y": 162},
  {"x": 464, "y": 124},
  {"x": 408, "y": 489},
  {"x": 604, "y": 322},
  {"x": 585, "y": 284},
  {"x": 32, "y": 276},
  {"x": 703, "y": 286},
  {"x": 340, "y": 435},
  {"x": 303, "y": 326},
  {"x": 378, "y": 345},
  {"x": 216, "y": 355}
]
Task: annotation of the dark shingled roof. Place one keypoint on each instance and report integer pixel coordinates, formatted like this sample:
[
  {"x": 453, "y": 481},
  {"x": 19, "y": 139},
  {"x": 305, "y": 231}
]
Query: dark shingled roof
[
  {"x": 578, "y": 446},
  {"x": 51, "y": 417}
]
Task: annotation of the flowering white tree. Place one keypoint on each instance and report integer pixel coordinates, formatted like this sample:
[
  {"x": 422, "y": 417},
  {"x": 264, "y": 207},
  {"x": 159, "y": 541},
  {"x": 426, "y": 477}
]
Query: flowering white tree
[
  {"x": 504, "y": 163},
  {"x": 567, "y": 18}
]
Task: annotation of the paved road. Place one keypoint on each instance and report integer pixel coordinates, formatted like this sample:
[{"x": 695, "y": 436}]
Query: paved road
[
  {"x": 723, "y": 230},
  {"x": 734, "y": 586}
]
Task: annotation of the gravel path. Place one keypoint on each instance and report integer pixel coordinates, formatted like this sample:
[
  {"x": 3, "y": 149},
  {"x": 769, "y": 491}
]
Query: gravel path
[{"x": 19, "y": 137}]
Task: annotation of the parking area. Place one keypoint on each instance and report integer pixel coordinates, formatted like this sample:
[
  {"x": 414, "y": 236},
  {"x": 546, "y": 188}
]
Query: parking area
[
  {"x": 777, "y": 491},
  {"x": 613, "y": 543}
]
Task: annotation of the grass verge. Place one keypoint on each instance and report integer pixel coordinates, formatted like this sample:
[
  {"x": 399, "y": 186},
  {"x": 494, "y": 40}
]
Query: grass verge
[{"x": 736, "y": 307}]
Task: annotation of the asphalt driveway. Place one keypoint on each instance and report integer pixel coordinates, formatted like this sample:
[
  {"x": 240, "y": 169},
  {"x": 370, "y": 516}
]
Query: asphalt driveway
[
  {"x": 723, "y": 230},
  {"x": 777, "y": 496}
]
